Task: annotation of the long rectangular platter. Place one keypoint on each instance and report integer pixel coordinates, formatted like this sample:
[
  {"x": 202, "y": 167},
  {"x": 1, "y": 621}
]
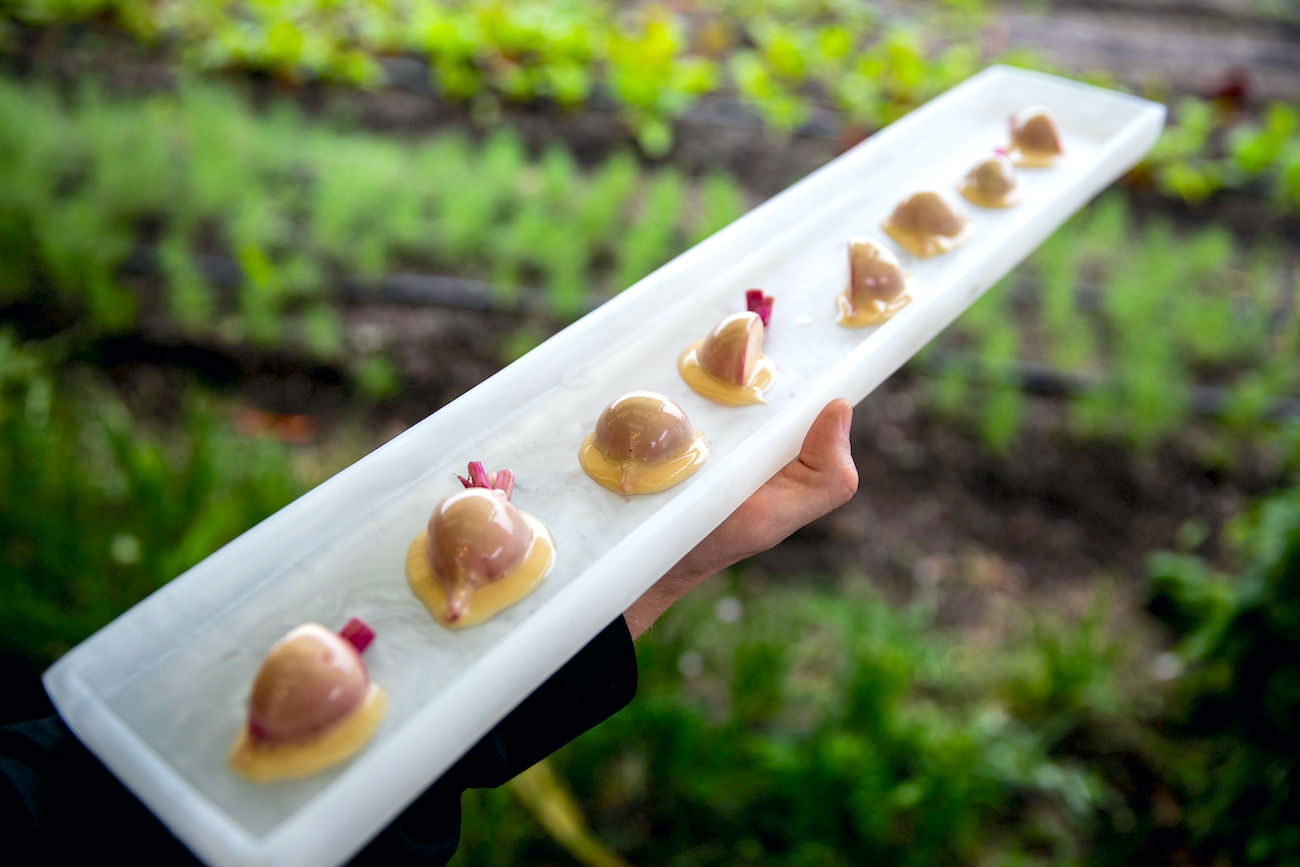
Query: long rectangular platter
[{"x": 159, "y": 694}]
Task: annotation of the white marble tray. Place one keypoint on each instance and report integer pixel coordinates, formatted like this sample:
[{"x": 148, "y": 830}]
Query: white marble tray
[{"x": 160, "y": 693}]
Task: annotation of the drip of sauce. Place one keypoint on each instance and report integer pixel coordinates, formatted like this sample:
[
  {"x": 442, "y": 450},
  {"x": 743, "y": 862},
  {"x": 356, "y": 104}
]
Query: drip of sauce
[
  {"x": 1035, "y": 142},
  {"x": 488, "y": 598},
  {"x": 728, "y": 365},
  {"x": 991, "y": 183},
  {"x": 643, "y": 443},
  {"x": 926, "y": 225},
  {"x": 878, "y": 286}
]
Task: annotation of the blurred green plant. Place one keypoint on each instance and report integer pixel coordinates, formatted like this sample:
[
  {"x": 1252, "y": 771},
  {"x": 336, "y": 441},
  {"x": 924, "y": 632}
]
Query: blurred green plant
[
  {"x": 651, "y": 61},
  {"x": 313, "y": 205},
  {"x": 1205, "y": 149},
  {"x": 101, "y": 509},
  {"x": 1163, "y": 311},
  {"x": 1235, "y": 758},
  {"x": 796, "y": 726}
]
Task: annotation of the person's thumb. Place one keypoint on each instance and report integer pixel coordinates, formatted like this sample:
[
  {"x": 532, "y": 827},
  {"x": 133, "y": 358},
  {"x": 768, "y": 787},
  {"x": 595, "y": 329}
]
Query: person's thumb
[{"x": 826, "y": 448}]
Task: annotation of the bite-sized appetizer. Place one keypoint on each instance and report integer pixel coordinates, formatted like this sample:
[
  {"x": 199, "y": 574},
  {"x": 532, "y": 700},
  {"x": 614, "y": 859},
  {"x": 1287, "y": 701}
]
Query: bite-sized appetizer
[
  {"x": 312, "y": 704},
  {"x": 878, "y": 287},
  {"x": 1034, "y": 140},
  {"x": 728, "y": 365},
  {"x": 926, "y": 225},
  {"x": 643, "y": 443},
  {"x": 991, "y": 183},
  {"x": 478, "y": 554}
]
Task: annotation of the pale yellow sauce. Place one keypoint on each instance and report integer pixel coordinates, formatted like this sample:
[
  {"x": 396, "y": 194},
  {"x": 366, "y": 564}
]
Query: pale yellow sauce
[
  {"x": 632, "y": 477},
  {"x": 873, "y": 313},
  {"x": 491, "y": 597},
  {"x": 1032, "y": 159},
  {"x": 704, "y": 383},
  {"x": 973, "y": 195},
  {"x": 925, "y": 246},
  {"x": 264, "y": 762}
]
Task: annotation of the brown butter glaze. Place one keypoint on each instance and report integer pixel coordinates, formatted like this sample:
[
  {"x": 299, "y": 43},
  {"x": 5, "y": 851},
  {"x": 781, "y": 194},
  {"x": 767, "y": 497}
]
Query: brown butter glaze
[
  {"x": 877, "y": 286},
  {"x": 1035, "y": 141},
  {"x": 312, "y": 705},
  {"x": 727, "y": 366},
  {"x": 991, "y": 183},
  {"x": 926, "y": 225},
  {"x": 644, "y": 427},
  {"x": 478, "y": 555},
  {"x": 643, "y": 443},
  {"x": 732, "y": 348},
  {"x": 476, "y": 536},
  {"x": 309, "y": 680}
]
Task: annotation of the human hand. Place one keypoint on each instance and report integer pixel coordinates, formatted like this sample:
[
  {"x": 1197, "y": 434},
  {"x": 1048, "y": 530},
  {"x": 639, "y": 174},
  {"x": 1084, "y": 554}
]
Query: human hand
[{"x": 820, "y": 479}]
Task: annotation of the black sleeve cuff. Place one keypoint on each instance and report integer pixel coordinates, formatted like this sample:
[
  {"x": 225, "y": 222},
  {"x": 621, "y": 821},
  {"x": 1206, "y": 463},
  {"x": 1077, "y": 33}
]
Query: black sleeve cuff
[
  {"x": 588, "y": 689},
  {"x": 591, "y": 687}
]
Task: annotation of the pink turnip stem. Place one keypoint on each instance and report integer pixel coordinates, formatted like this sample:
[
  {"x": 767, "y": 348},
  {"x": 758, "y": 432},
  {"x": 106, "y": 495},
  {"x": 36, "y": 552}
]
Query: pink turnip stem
[
  {"x": 504, "y": 481},
  {"x": 357, "y": 633},
  {"x": 757, "y": 302},
  {"x": 501, "y": 480}
]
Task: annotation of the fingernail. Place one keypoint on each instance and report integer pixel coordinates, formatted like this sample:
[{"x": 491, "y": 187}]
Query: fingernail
[{"x": 846, "y": 420}]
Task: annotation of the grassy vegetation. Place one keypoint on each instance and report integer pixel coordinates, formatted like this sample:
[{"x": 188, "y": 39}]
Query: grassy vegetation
[
  {"x": 1235, "y": 759},
  {"x": 651, "y": 63},
  {"x": 793, "y": 726},
  {"x": 101, "y": 509},
  {"x": 1163, "y": 312},
  {"x": 1206, "y": 149},
  {"x": 781, "y": 59},
  {"x": 311, "y": 202}
]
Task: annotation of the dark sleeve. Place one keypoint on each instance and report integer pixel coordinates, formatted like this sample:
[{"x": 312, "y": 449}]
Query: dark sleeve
[
  {"x": 591, "y": 687},
  {"x": 57, "y": 799}
]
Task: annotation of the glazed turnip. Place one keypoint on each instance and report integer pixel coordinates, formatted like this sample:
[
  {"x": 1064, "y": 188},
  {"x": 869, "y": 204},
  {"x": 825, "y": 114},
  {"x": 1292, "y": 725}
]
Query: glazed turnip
[
  {"x": 474, "y": 537},
  {"x": 1034, "y": 137},
  {"x": 877, "y": 285},
  {"x": 991, "y": 182},
  {"x": 642, "y": 444},
  {"x": 727, "y": 365},
  {"x": 309, "y": 681},
  {"x": 643, "y": 427},
  {"x": 478, "y": 553},
  {"x": 311, "y": 706},
  {"x": 927, "y": 214},
  {"x": 925, "y": 224},
  {"x": 874, "y": 273},
  {"x": 732, "y": 349}
]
